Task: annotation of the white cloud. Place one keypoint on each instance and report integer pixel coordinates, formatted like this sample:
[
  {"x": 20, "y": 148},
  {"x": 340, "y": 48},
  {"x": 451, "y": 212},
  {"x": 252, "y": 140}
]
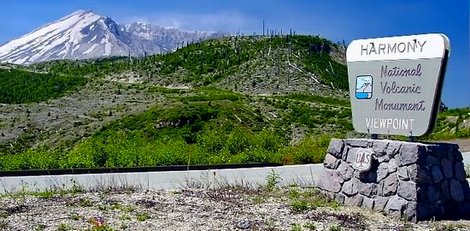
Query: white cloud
[{"x": 227, "y": 21}]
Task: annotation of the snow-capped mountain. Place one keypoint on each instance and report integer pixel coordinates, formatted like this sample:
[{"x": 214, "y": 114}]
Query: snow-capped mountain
[{"x": 84, "y": 35}]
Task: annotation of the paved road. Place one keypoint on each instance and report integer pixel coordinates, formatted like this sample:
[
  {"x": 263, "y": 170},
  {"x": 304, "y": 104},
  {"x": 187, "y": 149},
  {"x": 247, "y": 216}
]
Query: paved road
[
  {"x": 466, "y": 158},
  {"x": 297, "y": 174}
]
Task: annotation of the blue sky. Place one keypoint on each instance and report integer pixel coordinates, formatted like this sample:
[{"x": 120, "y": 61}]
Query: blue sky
[{"x": 333, "y": 19}]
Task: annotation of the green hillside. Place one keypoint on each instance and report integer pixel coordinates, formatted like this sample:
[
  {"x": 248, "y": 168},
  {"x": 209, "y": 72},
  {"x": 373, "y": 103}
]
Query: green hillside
[
  {"x": 203, "y": 126},
  {"x": 231, "y": 63},
  {"x": 19, "y": 86},
  {"x": 232, "y": 100}
]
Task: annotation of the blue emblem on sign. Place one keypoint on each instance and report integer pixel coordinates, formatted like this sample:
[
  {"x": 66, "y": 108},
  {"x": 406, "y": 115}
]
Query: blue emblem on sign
[{"x": 364, "y": 87}]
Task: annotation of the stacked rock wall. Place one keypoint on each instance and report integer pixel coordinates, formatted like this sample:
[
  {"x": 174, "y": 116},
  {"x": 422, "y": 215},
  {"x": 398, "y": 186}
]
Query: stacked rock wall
[{"x": 415, "y": 181}]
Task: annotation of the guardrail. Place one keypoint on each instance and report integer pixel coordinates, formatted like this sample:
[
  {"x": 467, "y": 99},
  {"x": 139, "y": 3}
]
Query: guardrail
[{"x": 77, "y": 171}]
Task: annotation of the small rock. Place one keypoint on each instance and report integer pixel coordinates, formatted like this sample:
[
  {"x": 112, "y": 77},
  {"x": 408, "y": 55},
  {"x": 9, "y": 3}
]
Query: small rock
[
  {"x": 384, "y": 158},
  {"x": 447, "y": 168},
  {"x": 329, "y": 181},
  {"x": 422, "y": 194},
  {"x": 434, "y": 193},
  {"x": 436, "y": 174},
  {"x": 350, "y": 187},
  {"x": 431, "y": 160},
  {"x": 331, "y": 162},
  {"x": 339, "y": 197},
  {"x": 389, "y": 185},
  {"x": 409, "y": 153},
  {"x": 456, "y": 190},
  {"x": 393, "y": 148},
  {"x": 438, "y": 150},
  {"x": 410, "y": 211},
  {"x": 392, "y": 165},
  {"x": 412, "y": 172},
  {"x": 379, "y": 203},
  {"x": 457, "y": 155},
  {"x": 345, "y": 171},
  {"x": 360, "y": 143},
  {"x": 403, "y": 173},
  {"x": 464, "y": 208},
  {"x": 382, "y": 172},
  {"x": 424, "y": 211},
  {"x": 379, "y": 147},
  {"x": 351, "y": 157},
  {"x": 336, "y": 147},
  {"x": 445, "y": 190},
  {"x": 395, "y": 206},
  {"x": 354, "y": 200},
  {"x": 244, "y": 224},
  {"x": 367, "y": 189},
  {"x": 459, "y": 171},
  {"x": 367, "y": 203},
  {"x": 407, "y": 190},
  {"x": 344, "y": 155},
  {"x": 424, "y": 176}
]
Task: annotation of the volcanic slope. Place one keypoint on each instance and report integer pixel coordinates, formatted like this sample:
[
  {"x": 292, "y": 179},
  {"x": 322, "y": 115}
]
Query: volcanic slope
[{"x": 229, "y": 100}]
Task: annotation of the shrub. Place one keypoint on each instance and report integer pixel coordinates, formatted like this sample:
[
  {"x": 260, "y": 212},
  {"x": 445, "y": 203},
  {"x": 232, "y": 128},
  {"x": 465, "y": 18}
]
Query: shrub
[{"x": 311, "y": 149}]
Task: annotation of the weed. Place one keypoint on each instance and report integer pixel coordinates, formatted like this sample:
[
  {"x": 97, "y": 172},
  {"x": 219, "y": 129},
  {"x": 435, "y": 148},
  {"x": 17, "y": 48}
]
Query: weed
[
  {"x": 272, "y": 180},
  {"x": 75, "y": 217},
  {"x": 85, "y": 202},
  {"x": 63, "y": 227},
  {"x": 259, "y": 199},
  {"x": 47, "y": 194},
  {"x": 143, "y": 216},
  {"x": 310, "y": 226},
  {"x": 270, "y": 226},
  {"x": 300, "y": 205},
  {"x": 309, "y": 199},
  {"x": 125, "y": 217},
  {"x": 40, "y": 227},
  {"x": 293, "y": 194},
  {"x": 76, "y": 187},
  {"x": 3, "y": 224},
  {"x": 124, "y": 208},
  {"x": 296, "y": 227},
  {"x": 335, "y": 228}
]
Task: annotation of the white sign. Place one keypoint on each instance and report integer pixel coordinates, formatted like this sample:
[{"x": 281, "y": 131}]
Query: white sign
[
  {"x": 395, "y": 83},
  {"x": 363, "y": 160}
]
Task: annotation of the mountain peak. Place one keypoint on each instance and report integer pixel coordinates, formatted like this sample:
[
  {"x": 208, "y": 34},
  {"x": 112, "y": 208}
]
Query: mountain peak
[
  {"x": 82, "y": 12},
  {"x": 84, "y": 34},
  {"x": 80, "y": 15}
]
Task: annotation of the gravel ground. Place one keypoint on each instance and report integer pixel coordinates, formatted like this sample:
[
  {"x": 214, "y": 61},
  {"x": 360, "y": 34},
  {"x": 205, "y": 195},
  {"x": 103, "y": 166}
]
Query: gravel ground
[{"x": 196, "y": 209}]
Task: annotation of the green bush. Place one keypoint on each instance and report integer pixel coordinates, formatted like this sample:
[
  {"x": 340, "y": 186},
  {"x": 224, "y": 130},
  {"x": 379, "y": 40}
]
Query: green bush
[
  {"x": 311, "y": 149},
  {"x": 19, "y": 86}
]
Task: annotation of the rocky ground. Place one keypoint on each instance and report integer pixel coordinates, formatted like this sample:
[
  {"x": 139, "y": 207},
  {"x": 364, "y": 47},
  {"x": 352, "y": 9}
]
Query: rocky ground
[
  {"x": 227, "y": 208},
  {"x": 70, "y": 118}
]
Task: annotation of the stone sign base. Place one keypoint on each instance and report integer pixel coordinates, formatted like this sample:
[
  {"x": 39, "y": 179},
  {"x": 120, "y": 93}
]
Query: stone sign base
[{"x": 414, "y": 181}]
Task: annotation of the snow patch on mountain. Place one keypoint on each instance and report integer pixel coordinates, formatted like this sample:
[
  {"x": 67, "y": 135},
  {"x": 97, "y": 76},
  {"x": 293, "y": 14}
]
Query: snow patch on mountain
[{"x": 85, "y": 34}]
